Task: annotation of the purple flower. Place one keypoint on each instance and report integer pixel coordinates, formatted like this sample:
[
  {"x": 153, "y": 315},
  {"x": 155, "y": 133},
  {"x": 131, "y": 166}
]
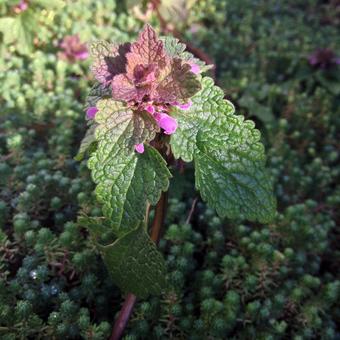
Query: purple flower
[
  {"x": 73, "y": 49},
  {"x": 323, "y": 58},
  {"x": 185, "y": 106},
  {"x": 166, "y": 122},
  {"x": 139, "y": 148},
  {"x": 195, "y": 68},
  {"x": 21, "y": 7},
  {"x": 150, "y": 108},
  {"x": 91, "y": 112}
]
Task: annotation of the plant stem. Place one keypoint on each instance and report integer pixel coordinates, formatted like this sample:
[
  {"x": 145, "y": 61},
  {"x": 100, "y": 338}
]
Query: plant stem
[
  {"x": 130, "y": 300},
  {"x": 159, "y": 218},
  {"x": 124, "y": 316}
]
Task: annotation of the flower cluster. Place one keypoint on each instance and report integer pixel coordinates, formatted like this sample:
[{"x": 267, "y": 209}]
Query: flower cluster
[
  {"x": 146, "y": 77},
  {"x": 323, "y": 58},
  {"x": 73, "y": 49},
  {"x": 22, "y": 6}
]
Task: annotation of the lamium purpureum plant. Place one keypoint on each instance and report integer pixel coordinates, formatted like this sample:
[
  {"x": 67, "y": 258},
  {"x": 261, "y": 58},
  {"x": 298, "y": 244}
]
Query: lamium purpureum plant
[{"x": 152, "y": 105}]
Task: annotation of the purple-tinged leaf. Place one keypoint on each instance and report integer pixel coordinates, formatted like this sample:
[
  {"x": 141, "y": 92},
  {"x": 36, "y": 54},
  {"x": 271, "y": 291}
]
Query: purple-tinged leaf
[
  {"x": 108, "y": 60},
  {"x": 151, "y": 75},
  {"x": 178, "y": 84}
]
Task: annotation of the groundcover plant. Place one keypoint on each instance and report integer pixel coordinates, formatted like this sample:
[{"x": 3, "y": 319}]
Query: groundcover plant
[
  {"x": 151, "y": 105},
  {"x": 226, "y": 278}
]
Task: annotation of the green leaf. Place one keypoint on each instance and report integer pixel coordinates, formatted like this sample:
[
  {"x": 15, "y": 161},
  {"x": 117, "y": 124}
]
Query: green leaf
[
  {"x": 235, "y": 184},
  {"x": 9, "y": 29},
  {"x": 98, "y": 92},
  {"x": 95, "y": 225},
  {"x": 135, "y": 265},
  {"x": 87, "y": 142},
  {"x": 207, "y": 105},
  {"x": 126, "y": 181},
  {"x": 25, "y": 31},
  {"x": 120, "y": 125},
  {"x": 55, "y": 4},
  {"x": 175, "y": 49},
  {"x": 229, "y": 157}
]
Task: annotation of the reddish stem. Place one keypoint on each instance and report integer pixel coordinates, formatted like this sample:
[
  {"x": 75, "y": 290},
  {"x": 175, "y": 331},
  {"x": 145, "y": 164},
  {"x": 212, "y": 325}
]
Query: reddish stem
[
  {"x": 159, "y": 218},
  {"x": 124, "y": 316}
]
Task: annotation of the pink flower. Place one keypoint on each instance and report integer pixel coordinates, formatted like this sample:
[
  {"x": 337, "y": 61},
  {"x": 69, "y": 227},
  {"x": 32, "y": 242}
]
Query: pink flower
[
  {"x": 91, "y": 112},
  {"x": 21, "y": 7},
  {"x": 185, "y": 106},
  {"x": 139, "y": 148},
  {"x": 323, "y": 58},
  {"x": 166, "y": 122},
  {"x": 150, "y": 108},
  {"x": 73, "y": 49},
  {"x": 195, "y": 68},
  {"x": 81, "y": 55}
]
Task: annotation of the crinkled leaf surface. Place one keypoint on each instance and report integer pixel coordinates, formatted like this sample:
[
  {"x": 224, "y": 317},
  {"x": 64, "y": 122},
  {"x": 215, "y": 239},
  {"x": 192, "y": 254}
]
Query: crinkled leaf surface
[
  {"x": 229, "y": 157},
  {"x": 234, "y": 184},
  {"x": 108, "y": 60},
  {"x": 178, "y": 84},
  {"x": 175, "y": 49},
  {"x": 126, "y": 181},
  {"x": 148, "y": 49},
  {"x": 120, "y": 125},
  {"x": 151, "y": 73},
  {"x": 207, "y": 106},
  {"x": 97, "y": 92},
  {"x": 135, "y": 264}
]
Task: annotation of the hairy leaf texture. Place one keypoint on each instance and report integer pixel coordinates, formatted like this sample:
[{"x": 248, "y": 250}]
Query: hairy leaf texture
[
  {"x": 126, "y": 181},
  {"x": 97, "y": 92},
  {"x": 108, "y": 60},
  {"x": 175, "y": 49},
  {"x": 228, "y": 155},
  {"x": 135, "y": 264}
]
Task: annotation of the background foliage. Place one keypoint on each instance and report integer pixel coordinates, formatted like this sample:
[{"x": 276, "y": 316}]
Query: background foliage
[{"x": 230, "y": 278}]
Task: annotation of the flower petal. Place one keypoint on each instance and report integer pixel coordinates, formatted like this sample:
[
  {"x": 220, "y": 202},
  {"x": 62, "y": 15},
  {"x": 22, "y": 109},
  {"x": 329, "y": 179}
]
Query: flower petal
[
  {"x": 150, "y": 108},
  {"x": 91, "y": 112},
  {"x": 185, "y": 106},
  {"x": 82, "y": 55},
  {"x": 167, "y": 123},
  {"x": 195, "y": 68},
  {"x": 139, "y": 148}
]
